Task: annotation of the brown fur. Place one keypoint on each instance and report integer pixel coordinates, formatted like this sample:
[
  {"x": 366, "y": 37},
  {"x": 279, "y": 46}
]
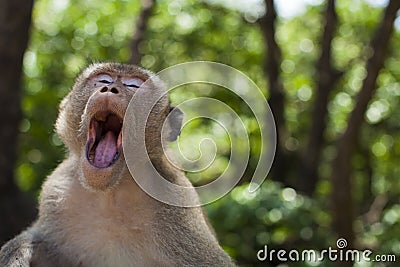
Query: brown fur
[{"x": 90, "y": 216}]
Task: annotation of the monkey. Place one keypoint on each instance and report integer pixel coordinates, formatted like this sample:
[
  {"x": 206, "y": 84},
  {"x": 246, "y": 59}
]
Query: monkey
[{"x": 91, "y": 210}]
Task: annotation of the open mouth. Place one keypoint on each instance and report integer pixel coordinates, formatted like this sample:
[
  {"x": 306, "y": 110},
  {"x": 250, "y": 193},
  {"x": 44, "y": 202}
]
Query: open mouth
[{"x": 104, "y": 142}]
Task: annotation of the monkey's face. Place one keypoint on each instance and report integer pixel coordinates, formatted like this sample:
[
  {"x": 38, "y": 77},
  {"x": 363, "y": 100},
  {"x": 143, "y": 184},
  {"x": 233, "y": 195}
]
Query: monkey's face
[
  {"x": 103, "y": 116},
  {"x": 92, "y": 116},
  {"x": 102, "y": 123}
]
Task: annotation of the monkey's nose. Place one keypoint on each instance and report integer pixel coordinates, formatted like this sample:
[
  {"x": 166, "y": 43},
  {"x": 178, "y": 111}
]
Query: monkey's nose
[{"x": 106, "y": 89}]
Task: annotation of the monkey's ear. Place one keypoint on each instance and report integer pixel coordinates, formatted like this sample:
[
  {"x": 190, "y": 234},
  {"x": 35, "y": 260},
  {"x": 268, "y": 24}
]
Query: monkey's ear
[
  {"x": 61, "y": 122},
  {"x": 175, "y": 118}
]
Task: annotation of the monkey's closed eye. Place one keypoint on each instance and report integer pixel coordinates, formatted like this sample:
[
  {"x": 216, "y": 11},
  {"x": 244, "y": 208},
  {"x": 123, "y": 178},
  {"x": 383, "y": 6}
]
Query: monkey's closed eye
[
  {"x": 133, "y": 83},
  {"x": 104, "y": 79}
]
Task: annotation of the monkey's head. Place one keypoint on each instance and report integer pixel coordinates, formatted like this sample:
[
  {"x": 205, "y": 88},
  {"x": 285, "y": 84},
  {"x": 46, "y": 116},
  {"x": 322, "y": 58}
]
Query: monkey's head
[{"x": 91, "y": 118}]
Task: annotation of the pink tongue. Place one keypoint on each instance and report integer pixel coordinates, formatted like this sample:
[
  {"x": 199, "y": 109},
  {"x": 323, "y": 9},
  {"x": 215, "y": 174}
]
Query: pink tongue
[{"x": 105, "y": 150}]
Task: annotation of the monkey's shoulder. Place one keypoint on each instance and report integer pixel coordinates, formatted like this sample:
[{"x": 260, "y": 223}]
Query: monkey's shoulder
[
  {"x": 30, "y": 249},
  {"x": 16, "y": 252}
]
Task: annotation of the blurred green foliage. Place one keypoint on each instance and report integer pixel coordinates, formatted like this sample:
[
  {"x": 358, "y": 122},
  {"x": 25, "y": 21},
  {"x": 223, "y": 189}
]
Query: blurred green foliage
[{"x": 69, "y": 34}]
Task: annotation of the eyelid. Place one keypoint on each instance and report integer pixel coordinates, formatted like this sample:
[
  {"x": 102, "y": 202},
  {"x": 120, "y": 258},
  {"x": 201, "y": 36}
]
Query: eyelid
[
  {"x": 133, "y": 82},
  {"x": 107, "y": 79}
]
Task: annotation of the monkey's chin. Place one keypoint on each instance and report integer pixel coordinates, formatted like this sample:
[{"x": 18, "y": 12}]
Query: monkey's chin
[{"x": 101, "y": 179}]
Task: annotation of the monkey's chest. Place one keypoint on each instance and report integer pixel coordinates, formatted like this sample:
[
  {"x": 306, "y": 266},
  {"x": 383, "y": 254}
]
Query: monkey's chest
[{"x": 98, "y": 239}]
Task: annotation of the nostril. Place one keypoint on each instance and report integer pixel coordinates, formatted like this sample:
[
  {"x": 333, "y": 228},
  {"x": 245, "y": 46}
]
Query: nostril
[
  {"x": 104, "y": 89},
  {"x": 114, "y": 90}
]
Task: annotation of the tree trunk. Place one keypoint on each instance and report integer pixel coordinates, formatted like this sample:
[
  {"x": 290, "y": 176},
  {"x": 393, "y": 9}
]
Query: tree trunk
[
  {"x": 276, "y": 90},
  {"x": 16, "y": 211},
  {"x": 342, "y": 198},
  {"x": 141, "y": 25},
  {"x": 327, "y": 77}
]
